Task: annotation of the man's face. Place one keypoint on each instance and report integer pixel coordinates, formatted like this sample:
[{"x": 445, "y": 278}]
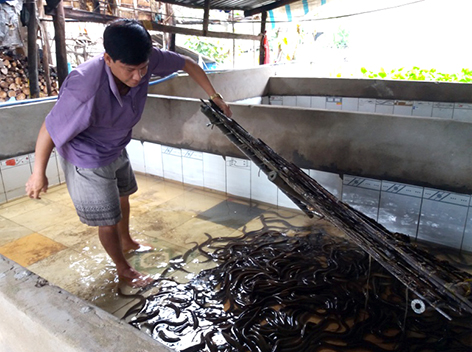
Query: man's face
[{"x": 128, "y": 74}]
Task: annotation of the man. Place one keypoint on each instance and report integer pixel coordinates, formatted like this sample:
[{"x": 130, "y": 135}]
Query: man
[{"x": 90, "y": 125}]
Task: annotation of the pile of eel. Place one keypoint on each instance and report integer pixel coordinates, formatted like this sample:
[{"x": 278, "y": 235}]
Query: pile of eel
[
  {"x": 434, "y": 283},
  {"x": 295, "y": 289}
]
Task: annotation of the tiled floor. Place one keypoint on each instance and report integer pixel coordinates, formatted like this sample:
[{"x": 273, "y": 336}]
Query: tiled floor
[{"x": 47, "y": 237}]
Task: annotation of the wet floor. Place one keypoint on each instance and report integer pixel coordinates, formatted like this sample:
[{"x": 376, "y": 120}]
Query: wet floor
[{"x": 46, "y": 236}]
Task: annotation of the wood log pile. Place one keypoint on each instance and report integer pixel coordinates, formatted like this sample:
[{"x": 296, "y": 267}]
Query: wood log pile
[{"x": 14, "y": 78}]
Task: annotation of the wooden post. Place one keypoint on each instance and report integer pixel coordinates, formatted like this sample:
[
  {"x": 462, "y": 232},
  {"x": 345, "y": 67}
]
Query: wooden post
[
  {"x": 170, "y": 40},
  {"x": 206, "y": 17},
  {"x": 32, "y": 49},
  {"x": 60, "y": 39},
  {"x": 47, "y": 74},
  {"x": 263, "y": 32},
  {"x": 46, "y": 49},
  {"x": 135, "y": 9}
]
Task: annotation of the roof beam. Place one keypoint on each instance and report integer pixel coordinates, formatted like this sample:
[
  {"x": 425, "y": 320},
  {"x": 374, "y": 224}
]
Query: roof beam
[
  {"x": 269, "y": 7},
  {"x": 86, "y": 16}
]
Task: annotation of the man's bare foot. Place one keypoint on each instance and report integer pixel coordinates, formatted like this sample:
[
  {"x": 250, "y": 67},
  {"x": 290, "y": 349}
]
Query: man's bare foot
[
  {"x": 137, "y": 247},
  {"x": 134, "y": 278}
]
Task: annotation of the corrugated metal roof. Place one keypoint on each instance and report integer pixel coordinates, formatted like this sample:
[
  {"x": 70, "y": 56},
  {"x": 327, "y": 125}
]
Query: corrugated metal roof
[{"x": 245, "y": 5}]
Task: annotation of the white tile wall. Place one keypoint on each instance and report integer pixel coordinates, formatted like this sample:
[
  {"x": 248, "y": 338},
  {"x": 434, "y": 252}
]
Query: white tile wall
[
  {"x": 238, "y": 177},
  {"x": 192, "y": 167},
  {"x": 403, "y": 107},
  {"x": 172, "y": 163},
  {"x": 3, "y": 196},
  {"x": 467, "y": 241},
  {"x": 422, "y": 108},
  {"x": 439, "y": 217},
  {"x": 289, "y": 100},
  {"x": 462, "y": 112},
  {"x": 284, "y": 201},
  {"x": 443, "y": 217},
  {"x": 350, "y": 104},
  {"x": 261, "y": 188},
  {"x": 366, "y": 105},
  {"x": 15, "y": 173},
  {"x": 52, "y": 170},
  {"x": 275, "y": 100},
  {"x": 214, "y": 172},
  {"x": 384, "y": 106},
  {"x": 443, "y": 110},
  {"x": 399, "y": 208},
  {"x": 153, "y": 159},
  {"x": 251, "y": 101},
  {"x": 318, "y": 102},
  {"x": 362, "y": 194},
  {"x": 334, "y": 103},
  {"x": 304, "y": 101},
  {"x": 136, "y": 155},
  {"x": 331, "y": 182}
]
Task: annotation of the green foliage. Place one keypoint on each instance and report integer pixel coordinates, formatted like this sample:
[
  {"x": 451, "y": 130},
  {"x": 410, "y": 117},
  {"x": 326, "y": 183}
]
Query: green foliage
[
  {"x": 417, "y": 74},
  {"x": 206, "y": 48}
]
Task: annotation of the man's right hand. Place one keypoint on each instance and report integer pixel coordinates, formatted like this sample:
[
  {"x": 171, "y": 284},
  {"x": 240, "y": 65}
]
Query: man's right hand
[{"x": 36, "y": 184}]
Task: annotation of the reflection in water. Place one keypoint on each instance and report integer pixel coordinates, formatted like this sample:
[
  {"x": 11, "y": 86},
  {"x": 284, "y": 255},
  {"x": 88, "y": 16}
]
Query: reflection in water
[{"x": 289, "y": 289}]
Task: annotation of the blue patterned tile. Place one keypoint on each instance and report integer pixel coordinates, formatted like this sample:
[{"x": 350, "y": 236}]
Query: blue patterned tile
[
  {"x": 443, "y": 217},
  {"x": 172, "y": 163},
  {"x": 192, "y": 167},
  {"x": 443, "y": 110},
  {"x": 238, "y": 177},
  {"x": 384, "y": 106},
  {"x": 400, "y": 206},
  {"x": 422, "y": 108},
  {"x": 362, "y": 194}
]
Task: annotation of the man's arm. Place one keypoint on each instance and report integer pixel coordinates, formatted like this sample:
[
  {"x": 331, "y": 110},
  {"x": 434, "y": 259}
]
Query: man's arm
[
  {"x": 199, "y": 76},
  {"x": 38, "y": 181}
]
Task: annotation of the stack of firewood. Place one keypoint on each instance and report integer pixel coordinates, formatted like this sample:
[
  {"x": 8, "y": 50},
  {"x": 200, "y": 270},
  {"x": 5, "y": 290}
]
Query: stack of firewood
[{"x": 14, "y": 78}]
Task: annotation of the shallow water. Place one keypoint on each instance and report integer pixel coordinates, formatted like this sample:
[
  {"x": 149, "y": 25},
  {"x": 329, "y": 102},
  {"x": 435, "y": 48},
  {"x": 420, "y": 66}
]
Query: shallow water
[
  {"x": 289, "y": 289},
  {"x": 47, "y": 238}
]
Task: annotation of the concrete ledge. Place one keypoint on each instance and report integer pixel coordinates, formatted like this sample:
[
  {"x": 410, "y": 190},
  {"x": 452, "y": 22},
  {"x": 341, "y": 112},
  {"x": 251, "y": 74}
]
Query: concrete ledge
[
  {"x": 233, "y": 85},
  {"x": 36, "y": 316},
  {"x": 19, "y": 127}
]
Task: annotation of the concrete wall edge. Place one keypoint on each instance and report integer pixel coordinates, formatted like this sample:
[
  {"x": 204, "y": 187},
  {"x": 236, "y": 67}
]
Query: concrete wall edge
[{"x": 37, "y": 316}]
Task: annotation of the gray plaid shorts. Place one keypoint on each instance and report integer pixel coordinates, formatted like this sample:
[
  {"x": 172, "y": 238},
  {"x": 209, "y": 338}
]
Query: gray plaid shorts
[{"x": 96, "y": 192}]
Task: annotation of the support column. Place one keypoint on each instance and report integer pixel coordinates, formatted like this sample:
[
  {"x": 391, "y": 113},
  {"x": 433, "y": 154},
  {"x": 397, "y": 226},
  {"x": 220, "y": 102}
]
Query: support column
[
  {"x": 262, "y": 54},
  {"x": 60, "y": 39},
  {"x": 32, "y": 49},
  {"x": 46, "y": 49},
  {"x": 170, "y": 20},
  {"x": 206, "y": 17}
]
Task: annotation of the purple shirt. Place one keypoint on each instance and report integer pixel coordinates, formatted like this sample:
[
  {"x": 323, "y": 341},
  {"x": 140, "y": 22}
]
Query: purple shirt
[{"x": 91, "y": 123}]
